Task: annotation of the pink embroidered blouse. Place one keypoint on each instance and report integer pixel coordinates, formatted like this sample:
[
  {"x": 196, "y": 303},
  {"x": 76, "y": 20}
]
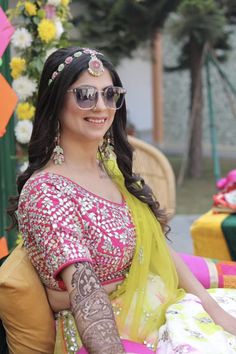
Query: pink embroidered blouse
[{"x": 63, "y": 223}]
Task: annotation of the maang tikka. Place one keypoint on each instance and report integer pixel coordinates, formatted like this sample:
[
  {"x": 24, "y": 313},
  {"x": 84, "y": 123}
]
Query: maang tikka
[
  {"x": 95, "y": 65},
  {"x": 58, "y": 153}
]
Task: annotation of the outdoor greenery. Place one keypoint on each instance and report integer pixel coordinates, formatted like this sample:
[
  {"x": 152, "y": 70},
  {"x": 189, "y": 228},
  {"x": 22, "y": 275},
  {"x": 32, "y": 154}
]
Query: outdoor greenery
[
  {"x": 229, "y": 8},
  {"x": 41, "y": 27},
  {"x": 199, "y": 26},
  {"x": 118, "y": 27},
  {"x": 195, "y": 195}
]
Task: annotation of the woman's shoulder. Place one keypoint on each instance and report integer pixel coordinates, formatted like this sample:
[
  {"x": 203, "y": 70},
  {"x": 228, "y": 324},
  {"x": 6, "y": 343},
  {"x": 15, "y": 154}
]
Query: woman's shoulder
[
  {"x": 44, "y": 191},
  {"x": 42, "y": 179},
  {"x": 46, "y": 184}
]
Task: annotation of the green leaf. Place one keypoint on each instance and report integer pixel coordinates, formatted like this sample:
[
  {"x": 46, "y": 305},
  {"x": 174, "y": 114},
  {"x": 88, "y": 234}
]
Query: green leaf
[{"x": 36, "y": 20}]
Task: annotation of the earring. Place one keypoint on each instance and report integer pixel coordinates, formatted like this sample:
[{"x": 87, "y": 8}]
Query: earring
[
  {"x": 58, "y": 153},
  {"x": 106, "y": 148}
]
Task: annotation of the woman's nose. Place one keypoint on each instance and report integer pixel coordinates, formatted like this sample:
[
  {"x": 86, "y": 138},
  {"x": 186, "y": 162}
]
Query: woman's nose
[{"x": 100, "y": 105}]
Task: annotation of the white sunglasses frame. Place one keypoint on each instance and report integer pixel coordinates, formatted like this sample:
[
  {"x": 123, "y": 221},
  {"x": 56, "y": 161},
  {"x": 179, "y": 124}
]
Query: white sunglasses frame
[{"x": 75, "y": 89}]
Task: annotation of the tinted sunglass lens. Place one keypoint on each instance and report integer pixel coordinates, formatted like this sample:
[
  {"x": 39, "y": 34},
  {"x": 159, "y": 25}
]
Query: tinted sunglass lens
[
  {"x": 114, "y": 97},
  {"x": 109, "y": 96},
  {"x": 86, "y": 97}
]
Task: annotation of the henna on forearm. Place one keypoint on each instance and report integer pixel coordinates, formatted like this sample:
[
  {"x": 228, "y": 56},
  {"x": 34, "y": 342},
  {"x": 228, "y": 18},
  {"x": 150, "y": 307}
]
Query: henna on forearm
[{"x": 93, "y": 312}]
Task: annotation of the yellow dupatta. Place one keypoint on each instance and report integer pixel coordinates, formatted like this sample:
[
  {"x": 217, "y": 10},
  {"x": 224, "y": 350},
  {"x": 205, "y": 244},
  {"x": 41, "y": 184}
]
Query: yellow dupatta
[{"x": 151, "y": 256}]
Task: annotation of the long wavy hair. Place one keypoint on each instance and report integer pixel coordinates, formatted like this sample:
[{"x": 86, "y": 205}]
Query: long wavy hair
[{"x": 49, "y": 104}]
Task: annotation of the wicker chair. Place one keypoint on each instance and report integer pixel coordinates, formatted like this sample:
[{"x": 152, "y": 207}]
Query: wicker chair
[{"x": 157, "y": 172}]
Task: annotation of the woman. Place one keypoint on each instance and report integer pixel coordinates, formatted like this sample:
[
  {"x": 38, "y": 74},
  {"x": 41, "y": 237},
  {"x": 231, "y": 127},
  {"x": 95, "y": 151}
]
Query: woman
[{"x": 93, "y": 229}]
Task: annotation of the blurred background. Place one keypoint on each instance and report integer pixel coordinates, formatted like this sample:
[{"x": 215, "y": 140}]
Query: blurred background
[{"x": 175, "y": 58}]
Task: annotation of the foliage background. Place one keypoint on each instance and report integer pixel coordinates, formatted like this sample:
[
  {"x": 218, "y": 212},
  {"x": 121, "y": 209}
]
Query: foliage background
[{"x": 41, "y": 27}]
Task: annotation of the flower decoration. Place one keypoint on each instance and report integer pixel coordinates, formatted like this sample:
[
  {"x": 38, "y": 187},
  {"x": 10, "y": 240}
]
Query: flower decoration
[
  {"x": 21, "y": 39},
  {"x": 24, "y": 87},
  {"x": 47, "y": 30},
  {"x": 30, "y": 9},
  {"x": 54, "y": 2},
  {"x": 25, "y": 111},
  {"x": 23, "y": 131},
  {"x": 42, "y": 27},
  {"x": 17, "y": 66}
]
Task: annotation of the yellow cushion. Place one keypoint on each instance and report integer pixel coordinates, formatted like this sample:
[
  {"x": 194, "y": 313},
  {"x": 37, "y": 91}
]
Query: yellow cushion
[
  {"x": 24, "y": 309},
  {"x": 208, "y": 237}
]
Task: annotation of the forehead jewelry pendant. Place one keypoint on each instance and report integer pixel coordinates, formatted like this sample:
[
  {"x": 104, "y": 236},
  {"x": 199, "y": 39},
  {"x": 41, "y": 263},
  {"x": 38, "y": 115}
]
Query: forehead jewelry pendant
[{"x": 95, "y": 66}]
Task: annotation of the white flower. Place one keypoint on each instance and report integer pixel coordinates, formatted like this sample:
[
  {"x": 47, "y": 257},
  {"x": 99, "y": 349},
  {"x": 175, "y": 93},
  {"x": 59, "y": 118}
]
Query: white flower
[
  {"x": 49, "y": 52},
  {"x": 24, "y": 166},
  {"x": 59, "y": 28},
  {"x": 54, "y": 2},
  {"x": 22, "y": 38},
  {"x": 23, "y": 131},
  {"x": 24, "y": 87}
]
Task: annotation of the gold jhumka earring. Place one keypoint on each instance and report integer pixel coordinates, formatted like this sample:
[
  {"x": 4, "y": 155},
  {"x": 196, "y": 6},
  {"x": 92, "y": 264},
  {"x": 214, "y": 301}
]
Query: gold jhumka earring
[
  {"x": 106, "y": 147},
  {"x": 58, "y": 153}
]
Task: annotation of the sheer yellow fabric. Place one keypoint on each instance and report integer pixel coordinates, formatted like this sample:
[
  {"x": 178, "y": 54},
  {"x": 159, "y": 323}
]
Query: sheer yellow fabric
[
  {"x": 151, "y": 256},
  {"x": 151, "y": 263}
]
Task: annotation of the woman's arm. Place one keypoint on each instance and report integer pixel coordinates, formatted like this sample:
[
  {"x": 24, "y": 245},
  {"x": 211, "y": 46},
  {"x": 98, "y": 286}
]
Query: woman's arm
[
  {"x": 189, "y": 283},
  {"x": 92, "y": 310},
  {"x": 58, "y": 300}
]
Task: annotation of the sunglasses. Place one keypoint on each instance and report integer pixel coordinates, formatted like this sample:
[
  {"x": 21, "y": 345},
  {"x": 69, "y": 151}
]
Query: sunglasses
[{"x": 87, "y": 96}]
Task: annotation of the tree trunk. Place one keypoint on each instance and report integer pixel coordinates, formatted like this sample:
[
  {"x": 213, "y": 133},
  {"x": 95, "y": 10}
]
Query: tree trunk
[
  {"x": 194, "y": 166},
  {"x": 157, "y": 87}
]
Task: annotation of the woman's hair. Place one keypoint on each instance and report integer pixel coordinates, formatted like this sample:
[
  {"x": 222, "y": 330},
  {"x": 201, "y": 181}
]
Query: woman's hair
[{"x": 49, "y": 104}]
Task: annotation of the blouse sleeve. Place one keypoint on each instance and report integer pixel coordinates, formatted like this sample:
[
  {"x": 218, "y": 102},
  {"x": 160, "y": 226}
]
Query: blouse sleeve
[{"x": 54, "y": 229}]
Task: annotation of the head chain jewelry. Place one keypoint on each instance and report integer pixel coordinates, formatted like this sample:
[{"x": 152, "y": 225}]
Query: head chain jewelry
[{"x": 95, "y": 65}]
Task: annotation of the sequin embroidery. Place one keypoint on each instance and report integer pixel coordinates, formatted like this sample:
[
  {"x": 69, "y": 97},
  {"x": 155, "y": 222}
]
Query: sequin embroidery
[{"x": 62, "y": 223}]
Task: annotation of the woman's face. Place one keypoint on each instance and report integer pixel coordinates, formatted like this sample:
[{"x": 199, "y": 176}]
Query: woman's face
[{"x": 86, "y": 125}]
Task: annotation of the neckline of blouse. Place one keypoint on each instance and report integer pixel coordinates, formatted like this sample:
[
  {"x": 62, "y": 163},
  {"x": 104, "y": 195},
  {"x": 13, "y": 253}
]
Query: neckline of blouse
[{"x": 121, "y": 204}]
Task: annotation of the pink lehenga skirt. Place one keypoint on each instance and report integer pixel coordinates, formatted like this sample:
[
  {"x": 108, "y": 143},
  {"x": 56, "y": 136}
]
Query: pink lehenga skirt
[{"x": 188, "y": 328}]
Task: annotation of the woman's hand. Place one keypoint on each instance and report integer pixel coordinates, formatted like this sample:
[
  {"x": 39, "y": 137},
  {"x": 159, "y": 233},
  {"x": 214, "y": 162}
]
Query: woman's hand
[
  {"x": 58, "y": 300},
  {"x": 228, "y": 322},
  {"x": 221, "y": 317},
  {"x": 189, "y": 283}
]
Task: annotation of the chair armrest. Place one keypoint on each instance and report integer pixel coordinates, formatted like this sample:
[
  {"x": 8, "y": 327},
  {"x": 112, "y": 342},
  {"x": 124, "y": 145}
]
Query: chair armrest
[{"x": 212, "y": 273}]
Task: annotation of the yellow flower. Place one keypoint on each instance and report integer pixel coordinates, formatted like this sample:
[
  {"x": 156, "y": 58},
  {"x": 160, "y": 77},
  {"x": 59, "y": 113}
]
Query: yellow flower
[
  {"x": 47, "y": 30},
  {"x": 25, "y": 110},
  {"x": 17, "y": 67},
  {"x": 30, "y": 9},
  {"x": 65, "y": 2}
]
